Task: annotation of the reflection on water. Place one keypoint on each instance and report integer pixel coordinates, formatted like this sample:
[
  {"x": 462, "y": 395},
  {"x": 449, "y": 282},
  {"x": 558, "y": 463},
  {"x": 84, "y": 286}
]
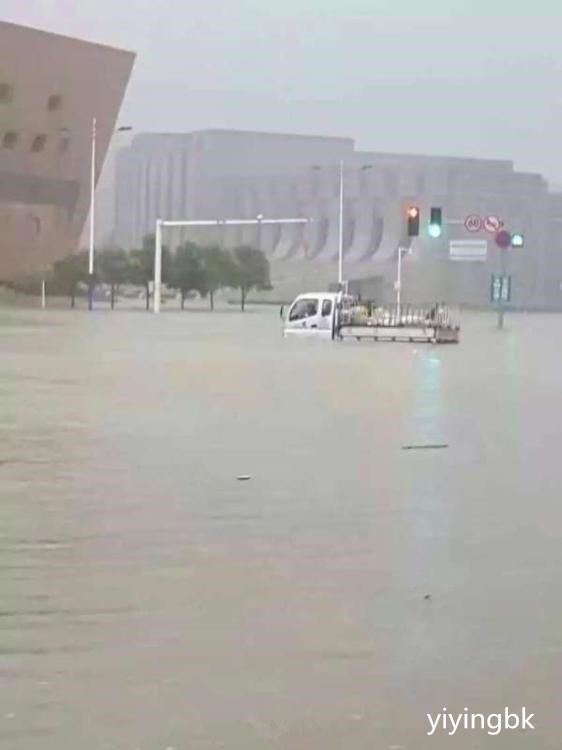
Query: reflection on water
[{"x": 150, "y": 601}]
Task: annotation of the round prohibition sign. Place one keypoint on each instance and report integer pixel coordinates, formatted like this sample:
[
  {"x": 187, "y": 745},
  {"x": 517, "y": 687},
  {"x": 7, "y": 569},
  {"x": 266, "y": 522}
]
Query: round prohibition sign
[{"x": 492, "y": 224}]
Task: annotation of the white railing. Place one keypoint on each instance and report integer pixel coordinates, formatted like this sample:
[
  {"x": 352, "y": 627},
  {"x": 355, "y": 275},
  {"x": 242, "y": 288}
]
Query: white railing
[{"x": 409, "y": 315}]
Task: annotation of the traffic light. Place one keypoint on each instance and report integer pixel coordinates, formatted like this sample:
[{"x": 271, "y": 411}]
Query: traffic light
[
  {"x": 435, "y": 227},
  {"x": 413, "y": 221},
  {"x": 517, "y": 240}
]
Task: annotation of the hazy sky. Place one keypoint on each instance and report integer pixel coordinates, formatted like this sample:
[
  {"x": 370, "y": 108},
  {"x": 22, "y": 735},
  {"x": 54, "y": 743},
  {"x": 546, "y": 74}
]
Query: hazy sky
[{"x": 464, "y": 77}]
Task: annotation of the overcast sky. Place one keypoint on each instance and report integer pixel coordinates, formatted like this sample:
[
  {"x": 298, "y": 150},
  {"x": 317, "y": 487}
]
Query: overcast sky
[{"x": 464, "y": 77}]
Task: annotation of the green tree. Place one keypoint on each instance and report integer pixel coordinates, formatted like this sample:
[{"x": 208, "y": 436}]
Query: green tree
[
  {"x": 68, "y": 273},
  {"x": 220, "y": 270},
  {"x": 115, "y": 269},
  {"x": 251, "y": 271},
  {"x": 188, "y": 271},
  {"x": 142, "y": 265}
]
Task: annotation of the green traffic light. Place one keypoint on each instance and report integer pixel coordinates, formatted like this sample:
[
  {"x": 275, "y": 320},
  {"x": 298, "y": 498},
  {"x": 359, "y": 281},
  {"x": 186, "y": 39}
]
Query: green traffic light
[
  {"x": 434, "y": 230},
  {"x": 517, "y": 240}
]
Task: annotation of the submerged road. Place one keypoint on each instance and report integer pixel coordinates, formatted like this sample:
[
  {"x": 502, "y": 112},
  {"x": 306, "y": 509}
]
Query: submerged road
[{"x": 348, "y": 587}]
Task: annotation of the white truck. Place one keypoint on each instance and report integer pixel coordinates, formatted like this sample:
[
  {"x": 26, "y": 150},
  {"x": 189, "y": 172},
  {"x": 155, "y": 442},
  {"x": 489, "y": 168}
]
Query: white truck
[{"x": 334, "y": 315}]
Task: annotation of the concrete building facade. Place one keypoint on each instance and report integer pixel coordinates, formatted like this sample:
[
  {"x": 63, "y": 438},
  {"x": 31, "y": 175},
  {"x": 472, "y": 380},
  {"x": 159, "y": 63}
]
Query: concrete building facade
[
  {"x": 228, "y": 174},
  {"x": 51, "y": 87}
]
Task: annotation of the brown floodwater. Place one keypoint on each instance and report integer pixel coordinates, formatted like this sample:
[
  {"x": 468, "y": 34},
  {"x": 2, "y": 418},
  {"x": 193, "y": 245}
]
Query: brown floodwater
[{"x": 149, "y": 600}]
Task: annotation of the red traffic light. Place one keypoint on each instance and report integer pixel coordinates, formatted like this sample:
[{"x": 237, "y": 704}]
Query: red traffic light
[{"x": 413, "y": 214}]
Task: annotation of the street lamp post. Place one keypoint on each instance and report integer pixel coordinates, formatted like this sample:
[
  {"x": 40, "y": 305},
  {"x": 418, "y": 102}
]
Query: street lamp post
[
  {"x": 398, "y": 282},
  {"x": 92, "y": 217},
  {"x": 341, "y": 217},
  {"x": 259, "y": 218},
  {"x": 121, "y": 129},
  {"x": 340, "y": 239}
]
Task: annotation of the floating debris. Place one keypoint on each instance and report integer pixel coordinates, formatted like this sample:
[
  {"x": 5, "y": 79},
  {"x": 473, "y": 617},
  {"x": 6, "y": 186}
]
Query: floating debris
[
  {"x": 244, "y": 477},
  {"x": 425, "y": 446},
  {"x": 427, "y": 597}
]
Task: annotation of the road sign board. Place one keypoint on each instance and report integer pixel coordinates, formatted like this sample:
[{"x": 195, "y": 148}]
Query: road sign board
[
  {"x": 473, "y": 223},
  {"x": 500, "y": 288},
  {"x": 470, "y": 250},
  {"x": 506, "y": 289},
  {"x": 492, "y": 224},
  {"x": 503, "y": 239}
]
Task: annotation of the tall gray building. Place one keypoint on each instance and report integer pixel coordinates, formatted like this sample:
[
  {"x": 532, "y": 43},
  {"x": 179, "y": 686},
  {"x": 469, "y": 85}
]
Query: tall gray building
[{"x": 227, "y": 174}]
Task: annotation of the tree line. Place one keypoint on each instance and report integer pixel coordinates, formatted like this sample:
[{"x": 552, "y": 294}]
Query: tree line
[{"x": 204, "y": 269}]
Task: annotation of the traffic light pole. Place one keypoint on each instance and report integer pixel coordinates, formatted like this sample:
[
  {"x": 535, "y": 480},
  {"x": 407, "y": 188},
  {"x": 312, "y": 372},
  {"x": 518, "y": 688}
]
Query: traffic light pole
[{"x": 398, "y": 284}]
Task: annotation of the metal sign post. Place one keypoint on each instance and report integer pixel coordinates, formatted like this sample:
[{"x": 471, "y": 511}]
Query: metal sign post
[
  {"x": 160, "y": 224},
  {"x": 503, "y": 241}
]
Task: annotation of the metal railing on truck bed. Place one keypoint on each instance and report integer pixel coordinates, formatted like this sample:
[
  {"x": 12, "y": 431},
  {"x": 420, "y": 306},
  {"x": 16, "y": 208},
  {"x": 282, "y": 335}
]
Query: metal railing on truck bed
[{"x": 431, "y": 323}]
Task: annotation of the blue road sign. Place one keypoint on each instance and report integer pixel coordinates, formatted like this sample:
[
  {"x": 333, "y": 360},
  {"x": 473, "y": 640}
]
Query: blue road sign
[{"x": 500, "y": 288}]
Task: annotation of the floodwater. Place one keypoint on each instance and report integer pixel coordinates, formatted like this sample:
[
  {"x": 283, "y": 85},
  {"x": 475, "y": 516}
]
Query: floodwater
[{"x": 149, "y": 600}]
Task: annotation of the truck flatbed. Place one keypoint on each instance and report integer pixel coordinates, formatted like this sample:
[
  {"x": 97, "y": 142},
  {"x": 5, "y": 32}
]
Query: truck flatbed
[{"x": 427, "y": 334}]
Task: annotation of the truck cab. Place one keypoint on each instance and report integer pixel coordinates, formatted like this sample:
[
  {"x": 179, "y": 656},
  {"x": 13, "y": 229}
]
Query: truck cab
[{"x": 316, "y": 314}]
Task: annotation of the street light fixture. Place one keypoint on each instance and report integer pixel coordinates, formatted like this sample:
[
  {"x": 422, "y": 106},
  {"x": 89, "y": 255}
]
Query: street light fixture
[{"x": 121, "y": 129}]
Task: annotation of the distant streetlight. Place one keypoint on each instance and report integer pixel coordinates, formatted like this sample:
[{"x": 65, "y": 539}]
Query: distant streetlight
[
  {"x": 363, "y": 168},
  {"x": 121, "y": 129},
  {"x": 259, "y": 219}
]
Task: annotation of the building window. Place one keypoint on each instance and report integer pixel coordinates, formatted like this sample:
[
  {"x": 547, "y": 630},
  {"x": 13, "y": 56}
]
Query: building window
[
  {"x": 6, "y": 92},
  {"x": 54, "y": 102},
  {"x": 39, "y": 143},
  {"x": 10, "y": 139}
]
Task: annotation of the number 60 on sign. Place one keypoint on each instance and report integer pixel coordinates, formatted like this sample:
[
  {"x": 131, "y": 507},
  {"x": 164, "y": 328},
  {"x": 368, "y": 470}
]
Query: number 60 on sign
[{"x": 473, "y": 223}]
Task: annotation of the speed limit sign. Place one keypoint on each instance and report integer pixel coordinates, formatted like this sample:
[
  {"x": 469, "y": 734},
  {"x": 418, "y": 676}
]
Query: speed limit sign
[{"x": 473, "y": 223}]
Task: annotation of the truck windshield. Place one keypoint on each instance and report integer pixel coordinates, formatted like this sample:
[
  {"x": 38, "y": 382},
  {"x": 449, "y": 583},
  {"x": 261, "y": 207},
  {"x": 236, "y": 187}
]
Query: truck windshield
[{"x": 303, "y": 308}]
